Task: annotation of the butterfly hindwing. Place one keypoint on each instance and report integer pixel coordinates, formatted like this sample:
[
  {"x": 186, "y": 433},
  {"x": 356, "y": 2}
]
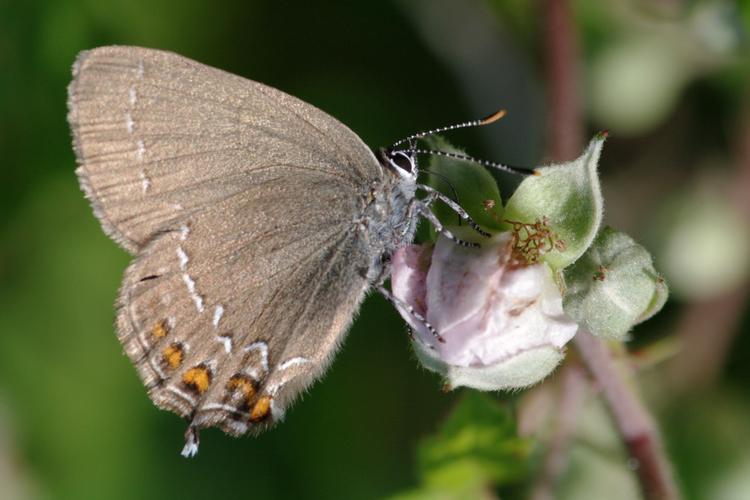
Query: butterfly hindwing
[{"x": 213, "y": 336}]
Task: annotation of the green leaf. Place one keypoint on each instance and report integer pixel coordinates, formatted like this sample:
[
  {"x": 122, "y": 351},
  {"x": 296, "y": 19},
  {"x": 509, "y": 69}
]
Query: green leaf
[
  {"x": 469, "y": 184},
  {"x": 476, "y": 450},
  {"x": 477, "y": 445},
  {"x": 427, "y": 493},
  {"x": 569, "y": 196},
  {"x": 613, "y": 286}
]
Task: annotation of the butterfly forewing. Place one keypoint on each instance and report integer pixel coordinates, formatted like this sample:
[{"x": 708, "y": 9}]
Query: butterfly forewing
[
  {"x": 157, "y": 134},
  {"x": 240, "y": 203}
]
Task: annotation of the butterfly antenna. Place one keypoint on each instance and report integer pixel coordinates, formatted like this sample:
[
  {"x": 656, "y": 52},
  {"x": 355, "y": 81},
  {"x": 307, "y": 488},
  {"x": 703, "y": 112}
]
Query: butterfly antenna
[
  {"x": 479, "y": 161},
  {"x": 475, "y": 123}
]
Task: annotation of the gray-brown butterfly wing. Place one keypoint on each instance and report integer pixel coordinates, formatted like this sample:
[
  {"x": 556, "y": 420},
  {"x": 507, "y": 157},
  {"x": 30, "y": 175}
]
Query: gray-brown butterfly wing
[
  {"x": 228, "y": 322},
  {"x": 157, "y": 134},
  {"x": 240, "y": 202}
]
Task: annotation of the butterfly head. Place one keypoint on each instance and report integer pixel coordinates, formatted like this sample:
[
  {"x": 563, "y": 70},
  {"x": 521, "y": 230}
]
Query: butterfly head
[{"x": 401, "y": 162}]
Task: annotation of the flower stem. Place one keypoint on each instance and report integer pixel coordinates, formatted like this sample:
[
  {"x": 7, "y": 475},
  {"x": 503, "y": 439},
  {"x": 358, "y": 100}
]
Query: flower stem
[{"x": 635, "y": 424}]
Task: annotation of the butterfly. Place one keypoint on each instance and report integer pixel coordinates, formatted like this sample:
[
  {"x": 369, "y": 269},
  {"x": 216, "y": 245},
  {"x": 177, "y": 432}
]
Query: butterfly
[{"x": 257, "y": 223}]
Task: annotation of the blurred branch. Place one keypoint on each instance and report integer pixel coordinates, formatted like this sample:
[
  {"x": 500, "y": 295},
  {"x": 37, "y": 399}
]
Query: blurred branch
[
  {"x": 707, "y": 328},
  {"x": 565, "y": 124},
  {"x": 636, "y": 426},
  {"x": 568, "y": 406},
  {"x": 741, "y": 186}
]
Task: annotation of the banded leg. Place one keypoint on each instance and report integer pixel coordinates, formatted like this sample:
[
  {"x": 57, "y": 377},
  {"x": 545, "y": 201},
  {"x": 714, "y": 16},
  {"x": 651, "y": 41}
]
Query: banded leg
[
  {"x": 425, "y": 212},
  {"x": 455, "y": 207},
  {"x": 396, "y": 302}
]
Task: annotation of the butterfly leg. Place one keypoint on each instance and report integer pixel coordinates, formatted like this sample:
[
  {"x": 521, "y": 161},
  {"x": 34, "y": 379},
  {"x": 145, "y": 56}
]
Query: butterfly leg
[
  {"x": 415, "y": 337},
  {"x": 422, "y": 207},
  {"x": 398, "y": 303},
  {"x": 434, "y": 194},
  {"x": 425, "y": 212}
]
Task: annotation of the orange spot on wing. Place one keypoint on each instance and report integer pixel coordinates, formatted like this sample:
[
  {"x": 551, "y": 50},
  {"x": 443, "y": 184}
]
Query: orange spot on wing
[
  {"x": 173, "y": 355},
  {"x": 159, "y": 330},
  {"x": 197, "y": 378},
  {"x": 242, "y": 384},
  {"x": 261, "y": 409}
]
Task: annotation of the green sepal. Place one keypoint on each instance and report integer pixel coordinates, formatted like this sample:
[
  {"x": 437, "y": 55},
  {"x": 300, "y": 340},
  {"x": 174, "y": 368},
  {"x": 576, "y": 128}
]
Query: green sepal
[
  {"x": 467, "y": 183},
  {"x": 613, "y": 286},
  {"x": 569, "y": 197}
]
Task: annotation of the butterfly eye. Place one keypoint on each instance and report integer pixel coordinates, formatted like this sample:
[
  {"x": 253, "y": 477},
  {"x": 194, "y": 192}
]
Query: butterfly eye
[{"x": 401, "y": 161}]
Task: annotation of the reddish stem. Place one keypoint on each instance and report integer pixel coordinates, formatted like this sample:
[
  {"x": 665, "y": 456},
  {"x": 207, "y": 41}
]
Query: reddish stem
[
  {"x": 636, "y": 426},
  {"x": 565, "y": 132}
]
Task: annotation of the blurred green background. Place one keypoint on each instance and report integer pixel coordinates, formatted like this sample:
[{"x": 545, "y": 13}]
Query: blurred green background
[{"x": 668, "y": 78}]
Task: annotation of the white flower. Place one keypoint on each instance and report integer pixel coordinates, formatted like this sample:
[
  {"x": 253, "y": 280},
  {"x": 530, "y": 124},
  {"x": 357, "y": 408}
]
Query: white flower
[{"x": 501, "y": 322}]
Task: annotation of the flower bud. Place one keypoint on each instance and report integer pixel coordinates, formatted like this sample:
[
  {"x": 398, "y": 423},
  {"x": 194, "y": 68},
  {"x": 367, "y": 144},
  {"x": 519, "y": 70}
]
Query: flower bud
[{"x": 500, "y": 320}]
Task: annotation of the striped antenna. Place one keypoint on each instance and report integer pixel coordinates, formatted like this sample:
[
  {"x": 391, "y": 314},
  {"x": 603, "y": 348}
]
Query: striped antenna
[
  {"x": 486, "y": 163},
  {"x": 475, "y": 123}
]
